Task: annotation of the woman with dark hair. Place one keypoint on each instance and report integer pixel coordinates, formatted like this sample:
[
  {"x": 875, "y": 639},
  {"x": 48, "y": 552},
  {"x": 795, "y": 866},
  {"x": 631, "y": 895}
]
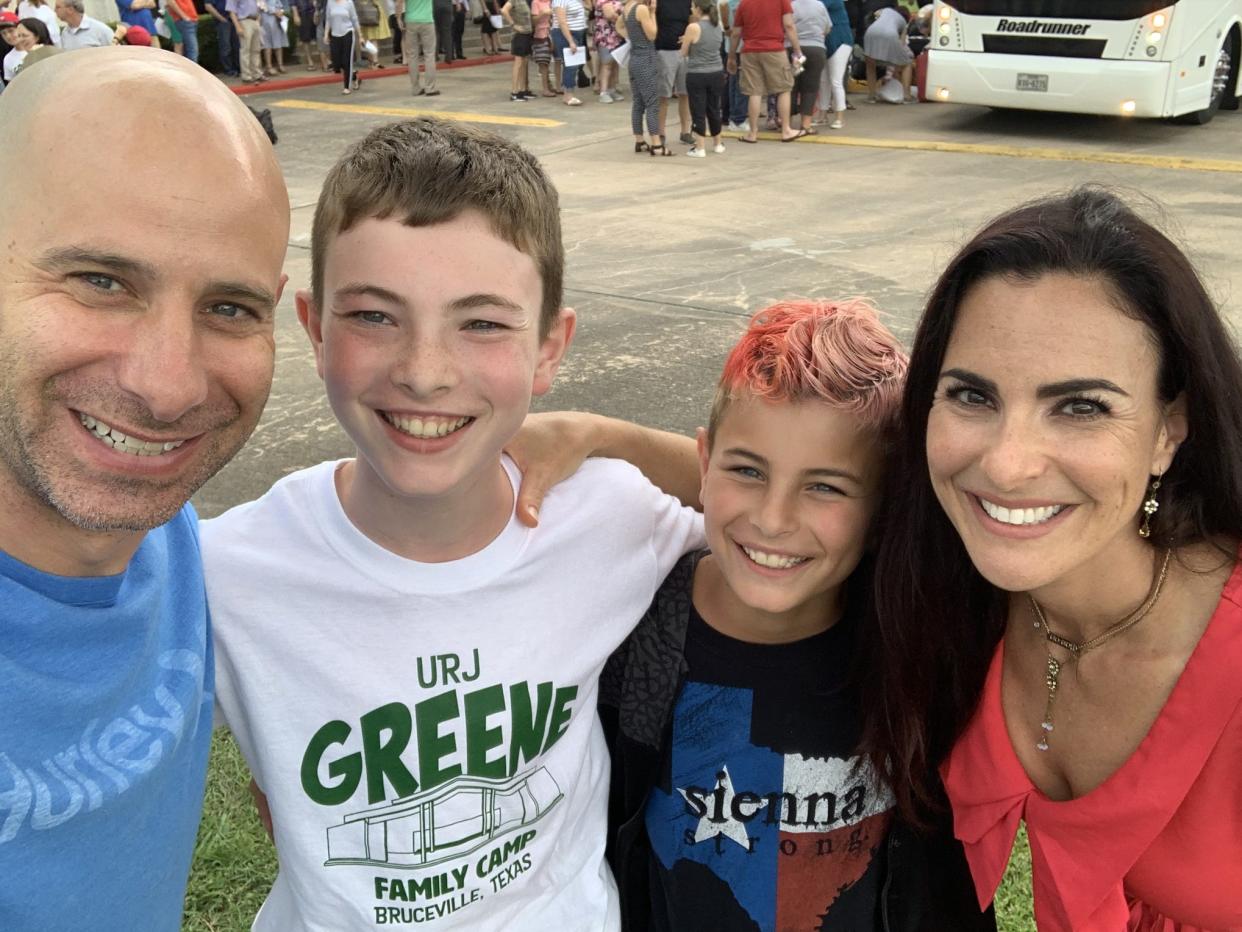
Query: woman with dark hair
[
  {"x": 25, "y": 36},
  {"x": 1060, "y": 616}
]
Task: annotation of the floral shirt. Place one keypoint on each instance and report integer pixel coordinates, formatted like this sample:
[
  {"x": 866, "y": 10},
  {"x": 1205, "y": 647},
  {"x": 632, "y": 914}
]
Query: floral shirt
[{"x": 606, "y": 35}]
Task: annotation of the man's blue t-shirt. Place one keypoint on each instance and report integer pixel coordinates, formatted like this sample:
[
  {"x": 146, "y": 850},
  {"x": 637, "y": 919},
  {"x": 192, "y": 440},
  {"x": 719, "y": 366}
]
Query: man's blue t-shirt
[{"x": 106, "y": 689}]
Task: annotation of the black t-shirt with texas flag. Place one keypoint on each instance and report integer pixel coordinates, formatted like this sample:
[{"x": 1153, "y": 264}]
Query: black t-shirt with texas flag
[{"x": 762, "y": 820}]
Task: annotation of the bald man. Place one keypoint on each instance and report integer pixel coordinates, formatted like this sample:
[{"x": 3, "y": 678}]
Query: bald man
[{"x": 136, "y": 351}]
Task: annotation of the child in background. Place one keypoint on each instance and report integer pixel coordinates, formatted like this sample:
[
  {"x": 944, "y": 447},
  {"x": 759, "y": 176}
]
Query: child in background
[
  {"x": 518, "y": 14},
  {"x": 607, "y": 39},
  {"x": 705, "y": 77},
  {"x": 541, "y": 44},
  {"x": 342, "y": 28},
  {"x": 411, "y": 672},
  {"x": 273, "y": 37}
]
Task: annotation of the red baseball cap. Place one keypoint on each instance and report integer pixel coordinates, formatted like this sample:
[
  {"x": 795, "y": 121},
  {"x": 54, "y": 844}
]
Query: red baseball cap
[
  {"x": 136, "y": 35},
  {"x": 8, "y": 18}
]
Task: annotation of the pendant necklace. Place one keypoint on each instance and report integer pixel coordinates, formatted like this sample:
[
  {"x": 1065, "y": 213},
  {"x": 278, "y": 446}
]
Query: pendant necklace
[{"x": 1053, "y": 674}]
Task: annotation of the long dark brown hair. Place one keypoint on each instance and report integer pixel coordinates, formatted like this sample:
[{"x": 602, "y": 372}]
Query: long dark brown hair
[{"x": 938, "y": 620}]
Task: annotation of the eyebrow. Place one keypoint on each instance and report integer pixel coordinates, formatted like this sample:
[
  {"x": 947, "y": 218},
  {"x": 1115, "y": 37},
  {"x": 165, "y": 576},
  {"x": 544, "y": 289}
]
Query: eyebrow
[
  {"x": 465, "y": 303},
  {"x": 826, "y": 472},
  {"x": 1051, "y": 390},
  {"x": 136, "y": 268}
]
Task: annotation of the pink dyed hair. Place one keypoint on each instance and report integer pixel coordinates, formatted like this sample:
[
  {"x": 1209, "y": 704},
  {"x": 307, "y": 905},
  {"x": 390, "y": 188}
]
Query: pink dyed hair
[{"x": 836, "y": 352}]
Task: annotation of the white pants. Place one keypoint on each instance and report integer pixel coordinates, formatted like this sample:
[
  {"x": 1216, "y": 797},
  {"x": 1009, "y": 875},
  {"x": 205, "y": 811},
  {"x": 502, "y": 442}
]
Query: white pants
[{"x": 832, "y": 82}]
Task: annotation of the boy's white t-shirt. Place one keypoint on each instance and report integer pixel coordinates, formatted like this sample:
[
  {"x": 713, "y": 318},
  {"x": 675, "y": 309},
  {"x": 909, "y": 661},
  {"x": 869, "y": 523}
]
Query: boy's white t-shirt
[{"x": 426, "y": 733}]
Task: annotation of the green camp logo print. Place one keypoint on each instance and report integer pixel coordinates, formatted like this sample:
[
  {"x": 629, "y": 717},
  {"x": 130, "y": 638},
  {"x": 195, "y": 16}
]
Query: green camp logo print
[{"x": 444, "y": 777}]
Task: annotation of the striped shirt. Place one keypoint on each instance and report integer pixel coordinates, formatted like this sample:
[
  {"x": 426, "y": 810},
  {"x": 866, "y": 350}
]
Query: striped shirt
[{"x": 575, "y": 13}]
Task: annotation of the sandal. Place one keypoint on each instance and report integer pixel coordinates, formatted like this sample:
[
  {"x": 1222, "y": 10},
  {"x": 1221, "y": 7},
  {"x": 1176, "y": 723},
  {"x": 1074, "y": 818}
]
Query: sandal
[
  {"x": 659, "y": 150},
  {"x": 640, "y": 147},
  {"x": 572, "y": 102},
  {"x": 796, "y": 136}
]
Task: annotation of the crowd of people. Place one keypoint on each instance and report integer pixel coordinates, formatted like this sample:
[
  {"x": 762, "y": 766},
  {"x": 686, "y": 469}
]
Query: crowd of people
[{"x": 890, "y": 606}]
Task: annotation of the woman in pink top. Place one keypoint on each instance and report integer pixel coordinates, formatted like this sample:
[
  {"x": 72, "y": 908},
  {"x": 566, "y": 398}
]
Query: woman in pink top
[{"x": 1060, "y": 604}]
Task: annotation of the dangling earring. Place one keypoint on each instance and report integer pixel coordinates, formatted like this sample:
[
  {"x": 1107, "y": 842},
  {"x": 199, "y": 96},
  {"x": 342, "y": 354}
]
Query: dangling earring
[{"x": 1149, "y": 508}]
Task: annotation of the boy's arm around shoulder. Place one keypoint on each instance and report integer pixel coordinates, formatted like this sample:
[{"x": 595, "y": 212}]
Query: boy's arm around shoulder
[{"x": 550, "y": 447}]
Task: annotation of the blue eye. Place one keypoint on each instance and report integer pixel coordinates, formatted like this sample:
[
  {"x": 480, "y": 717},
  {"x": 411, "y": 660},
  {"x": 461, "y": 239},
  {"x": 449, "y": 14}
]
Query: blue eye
[
  {"x": 100, "y": 282},
  {"x": 371, "y": 317},
  {"x": 746, "y": 472},
  {"x": 485, "y": 326},
  {"x": 231, "y": 311}
]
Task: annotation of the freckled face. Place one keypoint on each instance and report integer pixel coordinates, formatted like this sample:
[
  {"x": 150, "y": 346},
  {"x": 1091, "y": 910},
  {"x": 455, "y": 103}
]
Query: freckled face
[
  {"x": 1045, "y": 428},
  {"x": 430, "y": 365}
]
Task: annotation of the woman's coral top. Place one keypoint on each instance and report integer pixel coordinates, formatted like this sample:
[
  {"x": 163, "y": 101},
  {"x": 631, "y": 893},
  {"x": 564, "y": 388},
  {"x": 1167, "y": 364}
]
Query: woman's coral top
[{"x": 1157, "y": 847}]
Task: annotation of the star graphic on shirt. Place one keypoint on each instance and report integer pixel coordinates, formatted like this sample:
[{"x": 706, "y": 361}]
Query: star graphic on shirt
[{"x": 729, "y": 828}]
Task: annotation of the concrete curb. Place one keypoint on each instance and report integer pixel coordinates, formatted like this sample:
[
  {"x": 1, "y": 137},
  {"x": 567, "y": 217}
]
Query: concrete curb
[{"x": 390, "y": 71}]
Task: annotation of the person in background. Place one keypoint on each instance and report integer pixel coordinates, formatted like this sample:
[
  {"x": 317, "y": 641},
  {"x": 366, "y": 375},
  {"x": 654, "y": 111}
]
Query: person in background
[
  {"x": 303, "y": 12},
  {"x": 40, "y": 10},
  {"x": 245, "y": 17},
  {"x": 517, "y": 14},
  {"x": 442, "y": 10},
  {"x": 343, "y": 30},
  {"x": 885, "y": 42},
  {"x": 672, "y": 17},
  {"x": 139, "y": 13},
  {"x": 569, "y": 34},
  {"x": 226, "y": 39},
  {"x": 812, "y": 24},
  {"x": 24, "y": 36},
  {"x": 420, "y": 45},
  {"x": 638, "y": 25},
  {"x": 735, "y": 104},
  {"x": 541, "y": 43},
  {"x": 488, "y": 30},
  {"x": 184, "y": 18},
  {"x": 765, "y": 26},
  {"x": 394, "y": 29},
  {"x": 81, "y": 31},
  {"x": 704, "y": 74},
  {"x": 607, "y": 12},
  {"x": 374, "y": 34},
  {"x": 839, "y": 46},
  {"x": 272, "y": 24}
]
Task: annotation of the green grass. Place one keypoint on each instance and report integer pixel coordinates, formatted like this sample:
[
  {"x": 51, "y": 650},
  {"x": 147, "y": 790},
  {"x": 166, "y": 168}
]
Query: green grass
[{"x": 234, "y": 863}]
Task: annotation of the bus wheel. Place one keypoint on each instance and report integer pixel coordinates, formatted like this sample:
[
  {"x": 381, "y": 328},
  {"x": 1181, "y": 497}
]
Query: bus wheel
[
  {"x": 1234, "y": 42},
  {"x": 1222, "y": 80}
]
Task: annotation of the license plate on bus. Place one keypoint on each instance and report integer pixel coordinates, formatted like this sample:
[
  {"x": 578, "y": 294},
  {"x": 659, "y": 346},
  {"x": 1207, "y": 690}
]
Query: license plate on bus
[{"x": 1032, "y": 82}]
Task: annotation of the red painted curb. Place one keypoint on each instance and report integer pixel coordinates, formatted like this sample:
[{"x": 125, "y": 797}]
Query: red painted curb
[{"x": 389, "y": 71}]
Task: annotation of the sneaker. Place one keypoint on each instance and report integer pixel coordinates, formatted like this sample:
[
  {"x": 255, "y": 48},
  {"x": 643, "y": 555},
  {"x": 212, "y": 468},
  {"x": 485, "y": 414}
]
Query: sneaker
[
  {"x": 517, "y": 96},
  {"x": 696, "y": 153},
  {"x": 687, "y": 138},
  {"x": 528, "y": 95},
  {"x": 743, "y": 127},
  {"x": 616, "y": 94},
  {"x": 605, "y": 97},
  {"x": 719, "y": 150},
  {"x": 836, "y": 124},
  {"x": 432, "y": 93}
]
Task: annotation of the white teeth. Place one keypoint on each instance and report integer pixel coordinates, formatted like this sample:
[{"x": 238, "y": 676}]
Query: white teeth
[
  {"x": 772, "y": 560},
  {"x": 131, "y": 445},
  {"x": 1020, "y": 516},
  {"x": 426, "y": 428}
]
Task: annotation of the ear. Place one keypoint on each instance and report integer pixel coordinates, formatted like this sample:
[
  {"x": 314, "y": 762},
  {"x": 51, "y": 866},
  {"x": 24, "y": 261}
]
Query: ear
[
  {"x": 1173, "y": 432},
  {"x": 553, "y": 348},
  {"x": 312, "y": 323},
  {"x": 705, "y": 455}
]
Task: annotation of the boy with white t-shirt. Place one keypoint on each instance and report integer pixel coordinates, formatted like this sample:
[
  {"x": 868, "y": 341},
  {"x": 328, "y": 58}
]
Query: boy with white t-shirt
[{"x": 411, "y": 673}]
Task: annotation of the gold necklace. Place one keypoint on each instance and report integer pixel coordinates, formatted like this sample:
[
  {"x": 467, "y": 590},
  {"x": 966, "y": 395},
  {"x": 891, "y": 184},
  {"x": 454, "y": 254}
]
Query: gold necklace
[{"x": 1053, "y": 674}]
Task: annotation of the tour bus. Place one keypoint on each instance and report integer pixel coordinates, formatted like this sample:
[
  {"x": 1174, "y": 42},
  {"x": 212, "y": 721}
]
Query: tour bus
[{"x": 1136, "y": 58}]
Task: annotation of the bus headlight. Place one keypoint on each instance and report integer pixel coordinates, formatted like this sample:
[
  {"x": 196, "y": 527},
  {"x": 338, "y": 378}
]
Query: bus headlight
[
  {"x": 1159, "y": 20},
  {"x": 942, "y": 93},
  {"x": 1154, "y": 38},
  {"x": 1128, "y": 107},
  {"x": 945, "y": 14}
]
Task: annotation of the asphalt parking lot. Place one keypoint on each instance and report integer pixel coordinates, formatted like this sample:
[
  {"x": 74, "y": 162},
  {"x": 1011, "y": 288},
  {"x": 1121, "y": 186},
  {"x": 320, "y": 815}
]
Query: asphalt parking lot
[{"x": 874, "y": 209}]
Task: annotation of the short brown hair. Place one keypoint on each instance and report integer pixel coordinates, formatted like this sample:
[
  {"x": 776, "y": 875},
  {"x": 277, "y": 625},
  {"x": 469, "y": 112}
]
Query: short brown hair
[{"x": 428, "y": 171}]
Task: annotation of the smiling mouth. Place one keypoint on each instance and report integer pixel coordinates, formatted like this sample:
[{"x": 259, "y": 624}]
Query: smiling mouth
[
  {"x": 122, "y": 443},
  {"x": 426, "y": 428},
  {"x": 1020, "y": 517},
  {"x": 772, "y": 561}
]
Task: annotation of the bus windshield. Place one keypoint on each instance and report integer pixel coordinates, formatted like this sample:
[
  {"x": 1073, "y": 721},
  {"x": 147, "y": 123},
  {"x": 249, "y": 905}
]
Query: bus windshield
[{"x": 1061, "y": 9}]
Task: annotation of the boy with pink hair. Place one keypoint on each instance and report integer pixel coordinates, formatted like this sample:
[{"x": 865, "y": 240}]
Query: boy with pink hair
[{"x": 739, "y": 799}]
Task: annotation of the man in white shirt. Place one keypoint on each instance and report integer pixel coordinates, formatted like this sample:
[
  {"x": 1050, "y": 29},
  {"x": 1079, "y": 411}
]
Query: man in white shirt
[{"x": 81, "y": 31}]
